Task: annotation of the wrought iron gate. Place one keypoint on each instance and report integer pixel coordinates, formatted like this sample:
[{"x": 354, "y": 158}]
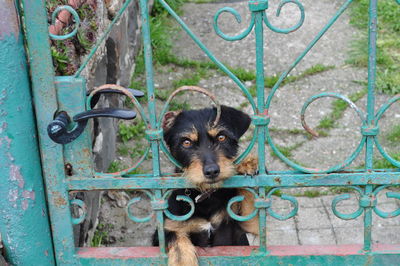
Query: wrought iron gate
[{"x": 68, "y": 94}]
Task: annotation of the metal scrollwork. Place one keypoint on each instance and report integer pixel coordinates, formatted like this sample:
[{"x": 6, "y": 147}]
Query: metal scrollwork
[
  {"x": 53, "y": 21},
  {"x": 160, "y": 205},
  {"x": 366, "y": 201},
  {"x": 391, "y": 194},
  {"x": 292, "y": 200},
  {"x": 378, "y": 116},
  {"x": 278, "y": 12},
  {"x": 346, "y": 216},
  {"x": 239, "y": 199},
  {"x": 82, "y": 207},
  {"x": 238, "y": 19},
  {"x": 257, "y": 6},
  {"x": 179, "y": 198},
  {"x": 135, "y": 200},
  {"x": 262, "y": 203}
]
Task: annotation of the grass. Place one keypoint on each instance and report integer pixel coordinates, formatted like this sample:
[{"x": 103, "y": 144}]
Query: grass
[
  {"x": 394, "y": 134},
  {"x": 384, "y": 164},
  {"x": 287, "y": 151},
  {"x": 388, "y": 43},
  {"x": 115, "y": 166},
  {"x": 338, "y": 108},
  {"x": 128, "y": 132}
]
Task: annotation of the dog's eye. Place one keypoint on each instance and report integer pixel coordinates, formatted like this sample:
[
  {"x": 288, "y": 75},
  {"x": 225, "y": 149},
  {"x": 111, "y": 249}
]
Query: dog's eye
[
  {"x": 187, "y": 143},
  {"x": 221, "y": 138}
]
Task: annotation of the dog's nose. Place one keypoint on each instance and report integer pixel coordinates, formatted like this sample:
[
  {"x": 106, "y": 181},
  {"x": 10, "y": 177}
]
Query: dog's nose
[{"x": 211, "y": 171}]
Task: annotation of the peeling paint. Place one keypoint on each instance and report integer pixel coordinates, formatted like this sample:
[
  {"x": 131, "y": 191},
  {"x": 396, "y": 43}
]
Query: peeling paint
[
  {"x": 24, "y": 204},
  {"x": 28, "y": 194},
  {"x": 13, "y": 195},
  {"x": 15, "y": 175}
]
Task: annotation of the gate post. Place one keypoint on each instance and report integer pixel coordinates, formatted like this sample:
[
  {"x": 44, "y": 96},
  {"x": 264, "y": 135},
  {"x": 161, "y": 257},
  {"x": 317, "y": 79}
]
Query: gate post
[{"x": 24, "y": 225}]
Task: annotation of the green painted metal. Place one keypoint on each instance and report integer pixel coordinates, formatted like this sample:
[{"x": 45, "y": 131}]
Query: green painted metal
[
  {"x": 52, "y": 94},
  {"x": 45, "y": 103},
  {"x": 53, "y": 21},
  {"x": 24, "y": 225}
]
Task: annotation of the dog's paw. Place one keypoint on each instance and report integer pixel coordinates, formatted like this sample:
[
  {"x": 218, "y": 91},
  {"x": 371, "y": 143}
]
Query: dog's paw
[{"x": 249, "y": 166}]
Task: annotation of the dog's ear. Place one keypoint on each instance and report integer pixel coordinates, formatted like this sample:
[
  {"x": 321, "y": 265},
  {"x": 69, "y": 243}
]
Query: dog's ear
[
  {"x": 237, "y": 121},
  {"x": 169, "y": 119}
]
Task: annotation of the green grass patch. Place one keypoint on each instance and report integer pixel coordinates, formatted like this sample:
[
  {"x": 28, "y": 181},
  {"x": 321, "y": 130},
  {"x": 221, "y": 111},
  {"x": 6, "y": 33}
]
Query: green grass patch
[
  {"x": 388, "y": 43},
  {"x": 286, "y": 151},
  {"x": 338, "y": 108},
  {"x": 394, "y": 134},
  {"x": 384, "y": 164},
  {"x": 115, "y": 166},
  {"x": 128, "y": 132},
  {"x": 341, "y": 190}
]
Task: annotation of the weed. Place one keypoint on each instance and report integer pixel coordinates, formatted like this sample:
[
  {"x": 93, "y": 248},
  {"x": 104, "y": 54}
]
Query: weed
[
  {"x": 341, "y": 190},
  {"x": 338, "y": 108},
  {"x": 115, "y": 166},
  {"x": 287, "y": 151},
  {"x": 123, "y": 150},
  {"x": 394, "y": 134},
  {"x": 385, "y": 164},
  {"x": 127, "y": 132},
  {"x": 98, "y": 236},
  {"x": 388, "y": 44}
]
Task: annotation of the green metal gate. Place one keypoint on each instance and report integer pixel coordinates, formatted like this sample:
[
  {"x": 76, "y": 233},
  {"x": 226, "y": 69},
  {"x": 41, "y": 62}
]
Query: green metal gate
[{"x": 53, "y": 94}]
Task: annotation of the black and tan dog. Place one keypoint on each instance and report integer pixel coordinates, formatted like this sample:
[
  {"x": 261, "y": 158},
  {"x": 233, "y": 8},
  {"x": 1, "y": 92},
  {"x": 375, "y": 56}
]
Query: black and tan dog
[{"x": 206, "y": 152}]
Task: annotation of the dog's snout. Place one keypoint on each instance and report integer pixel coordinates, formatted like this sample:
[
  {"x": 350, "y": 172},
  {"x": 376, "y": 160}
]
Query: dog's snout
[{"x": 211, "y": 171}]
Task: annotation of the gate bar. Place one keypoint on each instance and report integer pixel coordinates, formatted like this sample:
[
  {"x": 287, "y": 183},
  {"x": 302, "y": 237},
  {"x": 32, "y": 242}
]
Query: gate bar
[
  {"x": 45, "y": 102},
  {"x": 24, "y": 225}
]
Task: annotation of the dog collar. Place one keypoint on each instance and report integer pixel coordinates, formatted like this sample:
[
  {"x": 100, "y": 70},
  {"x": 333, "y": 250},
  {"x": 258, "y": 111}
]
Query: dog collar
[{"x": 204, "y": 195}]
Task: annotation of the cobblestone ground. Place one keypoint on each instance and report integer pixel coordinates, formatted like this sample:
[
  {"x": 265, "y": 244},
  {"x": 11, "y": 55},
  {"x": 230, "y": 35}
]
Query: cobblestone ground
[{"x": 315, "y": 222}]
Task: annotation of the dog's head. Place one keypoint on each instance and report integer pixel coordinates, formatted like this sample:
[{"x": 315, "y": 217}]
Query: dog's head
[{"x": 206, "y": 151}]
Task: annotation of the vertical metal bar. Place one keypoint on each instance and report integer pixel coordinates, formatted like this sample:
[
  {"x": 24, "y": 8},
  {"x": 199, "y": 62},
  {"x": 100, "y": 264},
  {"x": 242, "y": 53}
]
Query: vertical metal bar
[
  {"x": 260, "y": 87},
  {"x": 152, "y": 115},
  {"x": 372, "y": 35},
  {"x": 160, "y": 226},
  {"x": 24, "y": 224},
  {"x": 150, "y": 83},
  {"x": 262, "y": 216},
  {"x": 45, "y": 102},
  {"x": 261, "y": 129}
]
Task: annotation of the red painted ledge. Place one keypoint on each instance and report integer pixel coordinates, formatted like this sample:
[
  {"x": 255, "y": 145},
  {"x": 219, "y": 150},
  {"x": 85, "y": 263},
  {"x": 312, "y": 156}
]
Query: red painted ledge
[{"x": 235, "y": 251}]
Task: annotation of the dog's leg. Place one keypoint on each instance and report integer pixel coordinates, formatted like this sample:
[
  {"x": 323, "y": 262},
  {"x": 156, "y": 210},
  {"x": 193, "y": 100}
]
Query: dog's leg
[
  {"x": 182, "y": 252},
  {"x": 248, "y": 167},
  {"x": 247, "y": 207}
]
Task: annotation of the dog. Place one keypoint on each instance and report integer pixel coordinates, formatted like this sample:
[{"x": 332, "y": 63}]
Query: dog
[{"x": 206, "y": 152}]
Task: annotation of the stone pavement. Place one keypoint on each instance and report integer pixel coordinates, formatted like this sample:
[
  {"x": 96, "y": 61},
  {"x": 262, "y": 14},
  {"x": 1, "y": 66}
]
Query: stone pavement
[{"x": 315, "y": 222}]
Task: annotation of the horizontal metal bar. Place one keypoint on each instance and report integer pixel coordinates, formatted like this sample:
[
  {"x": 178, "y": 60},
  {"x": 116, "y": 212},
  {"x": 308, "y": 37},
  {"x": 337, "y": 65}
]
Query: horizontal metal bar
[
  {"x": 273, "y": 180},
  {"x": 296, "y": 255}
]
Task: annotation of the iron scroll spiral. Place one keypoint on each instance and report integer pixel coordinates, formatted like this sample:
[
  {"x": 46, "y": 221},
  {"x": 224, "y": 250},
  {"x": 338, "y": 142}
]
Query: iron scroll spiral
[
  {"x": 160, "y": 205},
  {"x": 142, "y": 113},
  {"x": 366, "y": 201},
  {"x": 262, "y": 203},
  {"x": 82, "y": 207},
  {"x": 53, "y": 21},
  {"x": 258, "y": 6}
]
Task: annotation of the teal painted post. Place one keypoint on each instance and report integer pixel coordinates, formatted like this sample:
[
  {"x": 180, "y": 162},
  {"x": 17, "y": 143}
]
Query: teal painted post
[
  {"x": 152, "y": 117},
  {"x": 24, "y": 225},
  {"x": 372, "y": 34},
  {"x": 259, "y": 31},
  {"x": 45, "y": 102}
]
